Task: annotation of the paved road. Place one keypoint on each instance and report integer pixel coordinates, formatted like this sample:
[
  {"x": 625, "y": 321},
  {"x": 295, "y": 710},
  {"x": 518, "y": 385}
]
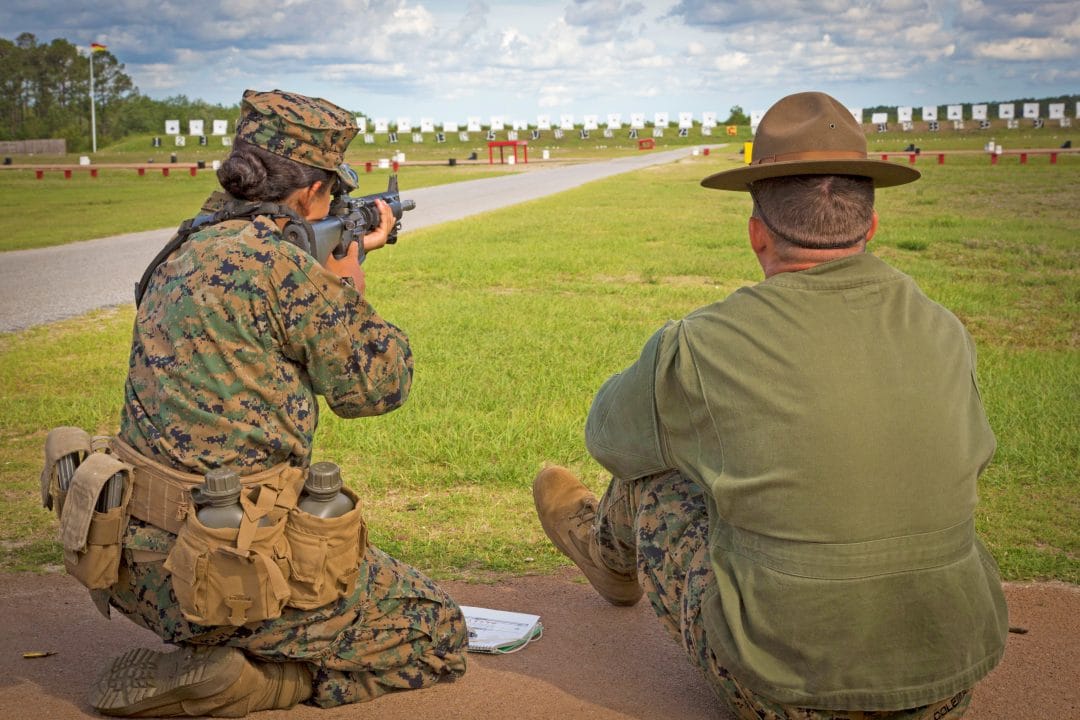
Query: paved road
[{"x": 48, "y": 284}]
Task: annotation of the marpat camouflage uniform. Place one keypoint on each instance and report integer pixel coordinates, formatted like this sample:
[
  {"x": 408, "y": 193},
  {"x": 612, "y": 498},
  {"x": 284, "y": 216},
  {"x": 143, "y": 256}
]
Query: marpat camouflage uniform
[{"x": 236, "y": 336}]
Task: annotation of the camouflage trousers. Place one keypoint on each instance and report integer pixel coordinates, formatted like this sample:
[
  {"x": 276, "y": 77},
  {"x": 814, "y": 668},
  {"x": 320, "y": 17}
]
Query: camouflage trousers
[
  {"x": 658, "y": 528},
  {"x": 396, "y": 631}
]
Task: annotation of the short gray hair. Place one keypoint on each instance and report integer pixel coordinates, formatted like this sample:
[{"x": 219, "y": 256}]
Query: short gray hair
[{"x": 817, "y": 212}]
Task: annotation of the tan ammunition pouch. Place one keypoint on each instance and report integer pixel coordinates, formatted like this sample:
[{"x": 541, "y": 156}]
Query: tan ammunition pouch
[
  {"x": 225, "y": 576},
  {"x": 92, "y": 540},
  {"x": 324, "y": 555},
  {"x": 228, "y": 576}
]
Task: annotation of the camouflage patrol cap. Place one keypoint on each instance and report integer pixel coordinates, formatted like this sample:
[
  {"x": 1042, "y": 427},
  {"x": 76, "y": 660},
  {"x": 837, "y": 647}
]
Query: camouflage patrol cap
[{"x": 308, "y": 130}]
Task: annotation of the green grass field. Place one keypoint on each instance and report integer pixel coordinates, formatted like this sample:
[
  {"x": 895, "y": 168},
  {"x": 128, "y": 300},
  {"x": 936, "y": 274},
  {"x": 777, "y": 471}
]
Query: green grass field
[
  {"x": 55, "y": 210},
  {"x": 517, "y": 316}
]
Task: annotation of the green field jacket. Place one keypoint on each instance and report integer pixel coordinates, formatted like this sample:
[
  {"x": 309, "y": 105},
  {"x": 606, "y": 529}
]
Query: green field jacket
[{"x": 834, "y": 419}]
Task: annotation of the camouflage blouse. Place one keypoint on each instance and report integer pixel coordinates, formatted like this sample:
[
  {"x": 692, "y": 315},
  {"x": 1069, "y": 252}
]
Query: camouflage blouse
[{"x": 237, "y": 334}]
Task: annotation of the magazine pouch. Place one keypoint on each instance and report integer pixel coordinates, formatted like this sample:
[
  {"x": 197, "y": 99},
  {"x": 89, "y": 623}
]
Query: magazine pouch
[
  {"x": 233, "y": 576},
  {"x": 92, "y": 538},
  {"x": 60, "y": 443},
  {"x": 324, "y": 554}
]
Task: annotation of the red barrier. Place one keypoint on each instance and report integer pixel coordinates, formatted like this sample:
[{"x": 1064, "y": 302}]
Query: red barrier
[
  {"x": 993, "y": 158},
  {"x": 941, "y": 158},
  {"x": 193, "y": 170},
  {"x": 1023, "y": 158},
  {"x": 367, "y": 167},
  {"x": 67, "y": 174},
  {"x": 165, "y": 172},
  {"x": 1053, "y": 158},
  {"x": 911, "y": 158},
  {"x": 93, "y": 172},
  {"x": 395, "y": 166},
  {"x": 884, "y": 157},
  {"x": 142, "y": 172},
  {"x": 502, "y": 145},
  {"x": 39, "y": 174},
  {"x": 706, "y": 151}
]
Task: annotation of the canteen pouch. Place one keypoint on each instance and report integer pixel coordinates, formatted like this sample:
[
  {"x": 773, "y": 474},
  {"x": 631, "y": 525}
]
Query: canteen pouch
[
  {"x": 92, "y": 539},
  {"x": 230, "y": 576},
  {"x": 59, "y": 443},
  {"x": 324, "y": 554}
]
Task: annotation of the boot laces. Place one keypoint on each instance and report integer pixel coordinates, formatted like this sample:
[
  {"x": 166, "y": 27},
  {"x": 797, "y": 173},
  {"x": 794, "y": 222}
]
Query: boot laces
[{"x": 585, "y": 514}]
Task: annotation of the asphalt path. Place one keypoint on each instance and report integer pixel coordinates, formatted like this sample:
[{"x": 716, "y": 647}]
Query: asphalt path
[{"x": 48, "y": 284}]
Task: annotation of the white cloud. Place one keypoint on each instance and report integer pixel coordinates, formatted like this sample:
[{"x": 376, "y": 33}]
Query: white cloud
[
  {"x": 412, "y": 21},
  {"x": 730, "y": 62},
  {"x": 1026, "y": 49}
]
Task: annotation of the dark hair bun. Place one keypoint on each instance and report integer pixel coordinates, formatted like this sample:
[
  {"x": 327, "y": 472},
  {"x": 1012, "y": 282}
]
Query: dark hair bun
[{"x": 243, "y": 174}]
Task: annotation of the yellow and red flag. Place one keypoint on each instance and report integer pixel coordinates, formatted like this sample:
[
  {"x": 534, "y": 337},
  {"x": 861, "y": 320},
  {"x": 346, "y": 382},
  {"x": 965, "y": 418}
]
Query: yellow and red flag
[{"x": 98, "y": 47}]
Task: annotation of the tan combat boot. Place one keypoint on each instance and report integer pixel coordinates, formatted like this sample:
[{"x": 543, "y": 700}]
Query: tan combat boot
[
  {"x": 213, "y": 681},
  {"x": 567, "y": 509}
]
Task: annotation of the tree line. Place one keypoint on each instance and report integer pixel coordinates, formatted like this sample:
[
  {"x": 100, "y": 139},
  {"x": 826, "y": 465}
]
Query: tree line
[{"x": 45, "y": 93}]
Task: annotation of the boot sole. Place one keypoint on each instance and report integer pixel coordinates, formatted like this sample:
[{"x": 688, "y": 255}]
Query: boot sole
[{"x": 143, "y": 679}]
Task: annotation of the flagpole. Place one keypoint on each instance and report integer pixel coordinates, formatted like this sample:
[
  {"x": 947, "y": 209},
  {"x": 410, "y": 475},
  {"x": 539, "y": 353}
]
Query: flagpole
[{"x": 93, "y": 122}]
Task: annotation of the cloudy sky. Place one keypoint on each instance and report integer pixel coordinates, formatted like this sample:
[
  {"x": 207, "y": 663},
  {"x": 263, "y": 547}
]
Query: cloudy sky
[{"x": 450, "y": 59}]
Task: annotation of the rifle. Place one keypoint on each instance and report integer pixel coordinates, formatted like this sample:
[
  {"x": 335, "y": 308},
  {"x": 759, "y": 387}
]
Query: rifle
[{"x": 349, "y": 219}]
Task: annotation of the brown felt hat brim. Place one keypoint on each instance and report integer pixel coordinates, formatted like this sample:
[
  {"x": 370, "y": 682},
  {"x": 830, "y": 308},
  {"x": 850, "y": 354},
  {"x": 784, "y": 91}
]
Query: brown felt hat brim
[{"x": 884, "y": 174}]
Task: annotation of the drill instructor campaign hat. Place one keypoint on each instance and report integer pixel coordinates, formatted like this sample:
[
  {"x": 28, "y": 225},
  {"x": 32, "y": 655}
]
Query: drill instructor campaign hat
[
  {"x": 309, "y": 130},
  {"x": 809, "y": 133}
]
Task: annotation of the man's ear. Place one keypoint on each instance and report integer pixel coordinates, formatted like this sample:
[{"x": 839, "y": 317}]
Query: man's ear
[
  {"x": 760, "y": 238},
  {"x": 873, "y": 226}
]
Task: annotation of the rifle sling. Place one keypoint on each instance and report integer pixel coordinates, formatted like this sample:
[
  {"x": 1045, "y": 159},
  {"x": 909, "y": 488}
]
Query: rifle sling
[{"x": 232, "y": 211}]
